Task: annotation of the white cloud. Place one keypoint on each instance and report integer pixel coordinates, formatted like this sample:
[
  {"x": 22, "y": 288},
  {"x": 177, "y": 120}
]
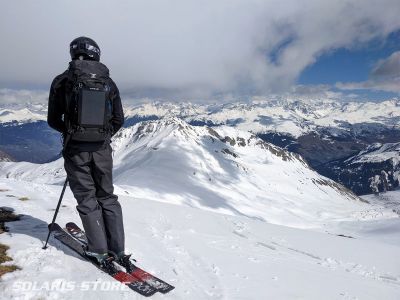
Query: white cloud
[
  {"x": 13, "y": 96},
  {"x": 388, "y": 68},
  {"x": 385, "y": 76},
  {"x": 189, "y": 48},
  {"x": 392, "y": 85}
]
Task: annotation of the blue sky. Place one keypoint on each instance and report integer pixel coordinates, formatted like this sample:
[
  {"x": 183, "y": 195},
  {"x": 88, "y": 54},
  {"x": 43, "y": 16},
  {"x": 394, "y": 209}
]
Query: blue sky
[{"x": 352, "y": 65}]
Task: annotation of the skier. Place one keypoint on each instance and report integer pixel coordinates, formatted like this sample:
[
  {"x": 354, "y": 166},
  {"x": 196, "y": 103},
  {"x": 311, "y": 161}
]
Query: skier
[{"x": 85, "y": 106}]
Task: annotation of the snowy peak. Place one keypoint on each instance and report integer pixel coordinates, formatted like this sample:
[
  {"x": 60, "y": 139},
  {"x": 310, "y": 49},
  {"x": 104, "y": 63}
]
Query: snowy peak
[
  {"x": 227, "y": 138},
  {"x": 220, "y": 169},
  {"x": 260, "y": 114},
  {"x": 151, "y": 133},
  {"x": 378, "y": 152},
  {"x": 23, "y": 114},
  {"x": 294, "y": 117}
]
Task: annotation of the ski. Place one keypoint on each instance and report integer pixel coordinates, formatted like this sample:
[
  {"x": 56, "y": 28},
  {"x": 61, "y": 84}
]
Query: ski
[
  {"x": 76, "y": 232},
  {"x": 134, "y": 283},
  {"x": 138, "y": 273}
]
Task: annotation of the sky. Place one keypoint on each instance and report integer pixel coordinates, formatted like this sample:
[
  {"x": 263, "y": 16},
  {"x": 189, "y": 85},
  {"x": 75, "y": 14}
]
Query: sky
[{"x": 209, "y": 49}]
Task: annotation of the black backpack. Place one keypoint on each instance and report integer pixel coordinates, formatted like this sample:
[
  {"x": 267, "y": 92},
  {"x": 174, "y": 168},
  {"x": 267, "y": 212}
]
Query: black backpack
[{"x": 88, "y": 102}]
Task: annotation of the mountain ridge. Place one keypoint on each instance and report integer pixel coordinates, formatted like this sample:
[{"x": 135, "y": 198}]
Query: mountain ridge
[
  {"x": 324, "y": 132},
  {"x": 219, "y": 169}
]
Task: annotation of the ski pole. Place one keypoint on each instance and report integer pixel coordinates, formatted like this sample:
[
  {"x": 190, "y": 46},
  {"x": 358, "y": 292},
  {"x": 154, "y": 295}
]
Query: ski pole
[{"x": 56, "y": 212}]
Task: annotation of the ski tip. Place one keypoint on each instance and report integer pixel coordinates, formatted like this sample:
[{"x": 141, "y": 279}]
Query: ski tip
[
  {"x": 166, "y": 289},
  {"x": 71, "y": 225}
]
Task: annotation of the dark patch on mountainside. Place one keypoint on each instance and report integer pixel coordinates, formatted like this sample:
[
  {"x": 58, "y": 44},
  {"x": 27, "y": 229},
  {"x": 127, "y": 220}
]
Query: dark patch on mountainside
[
  {"x": 373, "y": 170},
  {"x": 328, "y": 151},
  {"x": 137, "y": 119},
  {"x": 364, "y": 178},
  {"x": 33, "y": 142}
]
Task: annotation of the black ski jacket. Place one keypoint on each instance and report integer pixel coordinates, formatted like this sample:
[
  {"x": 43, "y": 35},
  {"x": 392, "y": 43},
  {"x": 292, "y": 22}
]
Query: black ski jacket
[{"x": 56, "y": 110}]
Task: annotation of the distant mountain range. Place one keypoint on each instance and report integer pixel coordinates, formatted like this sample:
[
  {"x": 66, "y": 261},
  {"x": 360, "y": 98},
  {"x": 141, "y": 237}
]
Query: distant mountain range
[{"x": 326, "y": 133}]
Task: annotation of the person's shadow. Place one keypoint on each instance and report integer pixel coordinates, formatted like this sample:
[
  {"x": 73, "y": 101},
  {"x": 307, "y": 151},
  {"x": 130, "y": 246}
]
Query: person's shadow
[{"x": 38, "y": 229}]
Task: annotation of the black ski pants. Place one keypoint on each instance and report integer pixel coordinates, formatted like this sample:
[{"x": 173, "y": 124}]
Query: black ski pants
[{"x": 90, "y": 179}]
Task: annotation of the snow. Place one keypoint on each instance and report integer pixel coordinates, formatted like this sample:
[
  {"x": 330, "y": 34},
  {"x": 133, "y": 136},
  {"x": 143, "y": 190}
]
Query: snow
[
  {"x": 391, "y": 199},
  {"x": 378, "y": 153},
  {"x": 214, "y": 169},
  {"x": 20, "y": 115},
  {"x": 258, "y": 115},
  {"x": 217, "y": 213},
  {"x": 295, "y": 117},
  {"x": 206, "y": 255}
]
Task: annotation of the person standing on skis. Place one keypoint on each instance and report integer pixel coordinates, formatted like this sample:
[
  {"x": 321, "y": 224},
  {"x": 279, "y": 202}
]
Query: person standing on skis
[{"x": 85, "y": 106}]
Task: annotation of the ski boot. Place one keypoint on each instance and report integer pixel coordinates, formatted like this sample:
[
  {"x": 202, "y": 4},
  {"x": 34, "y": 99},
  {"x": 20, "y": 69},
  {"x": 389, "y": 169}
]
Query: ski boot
[
  {"x": 125, "y": 261},
  {"x": 105, "y": 261}
]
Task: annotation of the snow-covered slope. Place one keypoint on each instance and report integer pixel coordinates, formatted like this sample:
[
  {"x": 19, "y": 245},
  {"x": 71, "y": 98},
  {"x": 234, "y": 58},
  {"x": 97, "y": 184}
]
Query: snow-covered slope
[
  {"x": 222, "y": 169},
  {"x": 195, "y": 201},
  {"x": 391, "y": 199},
  {"x": 205, "y": 255}
]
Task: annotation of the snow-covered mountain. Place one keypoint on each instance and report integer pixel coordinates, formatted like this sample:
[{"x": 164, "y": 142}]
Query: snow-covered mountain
[
  {"x": 323, "y": 132},
  {"x": 25, "y": 135},
  {"x": 23, "y": 113},
  {"x": 31, "y": 141},
  {"x": 379, "y": 164},
  {"x": 378, "y": 169},
  {"x": 208, "y": 210},
  {"x": 221, "y": 169},
  {"x": 292, "y": 117},
  {"x": 258, "y": 115}
]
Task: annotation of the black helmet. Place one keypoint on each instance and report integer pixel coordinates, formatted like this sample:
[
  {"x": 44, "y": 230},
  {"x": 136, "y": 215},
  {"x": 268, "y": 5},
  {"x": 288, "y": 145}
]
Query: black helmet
[{"x": 86, "y": 47}]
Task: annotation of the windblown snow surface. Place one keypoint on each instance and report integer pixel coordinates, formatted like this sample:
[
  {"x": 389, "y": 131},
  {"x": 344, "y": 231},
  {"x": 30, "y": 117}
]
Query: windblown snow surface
[{"x": 217, "y": 213}]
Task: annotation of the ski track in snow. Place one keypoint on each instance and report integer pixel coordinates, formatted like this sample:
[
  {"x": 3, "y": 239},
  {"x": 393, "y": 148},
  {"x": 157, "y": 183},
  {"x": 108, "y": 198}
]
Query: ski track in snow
[
  {"x": 328, "y": 262},
  {"x": 205, "y": 277},
  {"x": 206, "y": 255}
]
